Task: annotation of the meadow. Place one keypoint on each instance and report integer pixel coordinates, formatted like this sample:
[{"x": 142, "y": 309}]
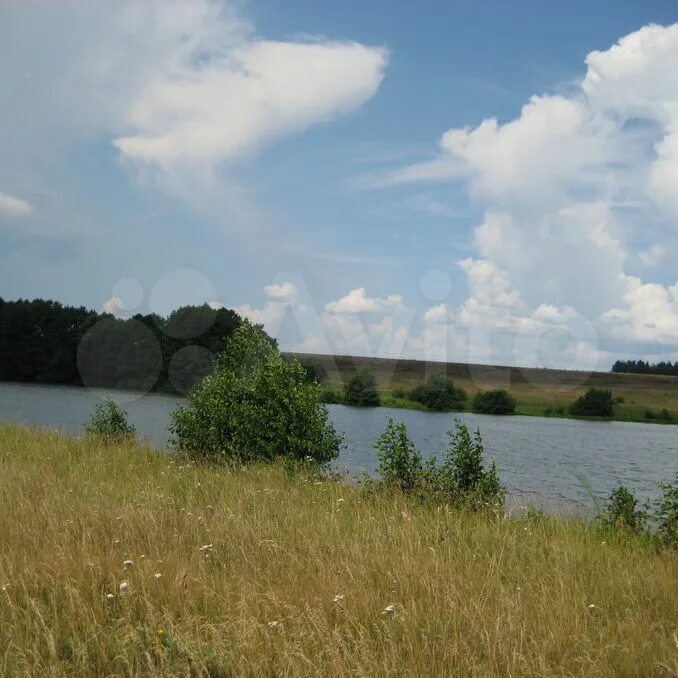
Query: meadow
[
  {"x": 536, "y": 389},
  {"x": 117, "y": 560}
]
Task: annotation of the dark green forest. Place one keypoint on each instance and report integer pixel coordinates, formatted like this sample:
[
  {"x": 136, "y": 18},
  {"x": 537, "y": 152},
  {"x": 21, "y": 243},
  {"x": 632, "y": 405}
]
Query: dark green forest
[
  {"x": 44, "y": 341},
  {"x": 642, "y": 367}
]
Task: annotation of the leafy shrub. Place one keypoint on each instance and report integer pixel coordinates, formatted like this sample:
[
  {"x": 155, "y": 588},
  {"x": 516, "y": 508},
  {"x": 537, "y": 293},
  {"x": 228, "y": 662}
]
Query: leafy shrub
[
  {"x": 622, "y": 511},
  {"x": 329, "y": 396},
  {"x": 664, "y": 415},
  {"x": 361, "y": 390},
  {"x": 666, "y": 514},
  {"x": 494, "y": 402},
  {"x": 400, "y": 462},
  {"x": 649, "y": 414},
  {"x": 439, "y": 393},
  {"x": 399, "y": 393},
  {"x": 550, "y": 411},
  {"x": 596, "y": 402},
  {"x": 461, "y": 477},
  {"x": 109, "y": 421},
  {"x": 417, "y": 394},
  {"x": 256, "y": 406}
]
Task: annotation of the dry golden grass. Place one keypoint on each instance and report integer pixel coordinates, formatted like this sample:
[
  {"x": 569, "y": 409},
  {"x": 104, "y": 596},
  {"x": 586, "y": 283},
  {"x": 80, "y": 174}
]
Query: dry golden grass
[{"x": 471, "y": 595}]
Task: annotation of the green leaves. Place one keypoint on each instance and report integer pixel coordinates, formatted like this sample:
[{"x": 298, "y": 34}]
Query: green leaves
[
  {"x": 596, "y": 402},
  {"x": 498, "y": 401},
  {"x": 257, "y": 406},
  {"x": 461, "y": 478},
  {"x": 361, "y": 390},
  {"x": 109, "y": 422}
]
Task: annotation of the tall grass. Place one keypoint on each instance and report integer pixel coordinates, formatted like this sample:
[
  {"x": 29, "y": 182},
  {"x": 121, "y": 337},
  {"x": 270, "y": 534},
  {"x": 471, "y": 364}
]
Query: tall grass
[{"x": 262, "y": 573}]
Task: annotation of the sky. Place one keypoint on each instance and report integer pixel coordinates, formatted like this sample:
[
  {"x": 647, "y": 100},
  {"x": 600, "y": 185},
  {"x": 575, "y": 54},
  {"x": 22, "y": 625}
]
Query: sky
[{"x": 468, "y": 181}]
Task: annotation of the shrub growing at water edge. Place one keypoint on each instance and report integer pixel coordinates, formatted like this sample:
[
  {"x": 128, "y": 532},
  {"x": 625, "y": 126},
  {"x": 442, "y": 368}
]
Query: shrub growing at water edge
[
  {"x": 461, "y": 478},
  {"x": 596, "y": 402},
  {"x": 666, "y": 514},
  {"x": 400, "y": 463},
  {"x": 257, "y": 406},
  {"x": 494, "y": 402},
  {"x": 439, "y": 393},
  {"x": 109, "y": 422},
  {"x": 361, "y": 390},
  {"x": 622, "y": 511}
]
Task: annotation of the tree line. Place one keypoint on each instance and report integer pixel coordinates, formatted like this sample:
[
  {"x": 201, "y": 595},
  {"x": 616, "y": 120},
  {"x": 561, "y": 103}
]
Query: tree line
[
  {"x": 44, "y": 341},
  {"x": 644, "y": 367}
]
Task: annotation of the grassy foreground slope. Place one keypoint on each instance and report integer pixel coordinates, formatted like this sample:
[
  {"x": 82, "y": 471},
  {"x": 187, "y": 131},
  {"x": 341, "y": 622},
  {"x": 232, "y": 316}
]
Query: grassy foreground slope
[
  {"x": 534, "y": 388},
  {"x": 296, "y": 577}
]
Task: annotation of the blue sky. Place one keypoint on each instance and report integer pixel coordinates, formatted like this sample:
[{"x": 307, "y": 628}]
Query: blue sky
[{"x": 288, "y": 160}]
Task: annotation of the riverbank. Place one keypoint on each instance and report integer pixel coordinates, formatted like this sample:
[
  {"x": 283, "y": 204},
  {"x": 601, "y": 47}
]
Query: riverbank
[
  {"x": 260, "y": 572},
  {"x": 540, "y": 392},
  {"x": 633, "y": 414}
]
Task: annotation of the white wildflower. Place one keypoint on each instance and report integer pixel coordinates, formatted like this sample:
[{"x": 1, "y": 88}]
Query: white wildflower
[
  {"x": 124, "y": 587},
  {"x": 110, "y": 596},
  {"x": 157, "y": 576},
  {"x": 338, "y": 599},
  {"x": 273, "y": 624},
  {"x": 128, "y": 564},
  {"x": 389, "y": 611}
]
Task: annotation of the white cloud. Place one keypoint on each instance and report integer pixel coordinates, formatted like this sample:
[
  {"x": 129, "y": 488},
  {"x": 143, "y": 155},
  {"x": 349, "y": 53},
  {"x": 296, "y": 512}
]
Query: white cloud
[
  {"x": 567, "y": 188},
  {"x": 654, "y": 255},
  {"x": 356, "y": 301},
  {"x": 223, "y": 104},
  {"x": 14, "y": 207},
  {"x": 649, "y": 313},
  {"x": 179, "y": 88},
  {"x": 439, "y": 314},
  {"x": 285, "y": 291},
  {"x": 552, "y": 314},
  {"x": 114, "y": 306}
]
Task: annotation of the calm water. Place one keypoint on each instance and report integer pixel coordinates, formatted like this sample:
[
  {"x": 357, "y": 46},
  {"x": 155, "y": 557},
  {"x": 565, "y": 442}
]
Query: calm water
[{"x": 540, "y": 460}]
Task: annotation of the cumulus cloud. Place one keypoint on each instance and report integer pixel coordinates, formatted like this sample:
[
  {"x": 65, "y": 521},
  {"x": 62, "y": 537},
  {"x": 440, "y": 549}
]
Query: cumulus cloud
[
  {"x": 114, "y": 306},
  {"x": 568, "y": 188},
  {"x": 356, "y": 301},
  {"x": 285, "y": 291},
  {"x": 14, "y": 207}
]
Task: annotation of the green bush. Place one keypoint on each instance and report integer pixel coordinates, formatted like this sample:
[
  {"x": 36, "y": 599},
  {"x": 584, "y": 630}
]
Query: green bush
[
  {"x": 622, "y": 511},
  {"x": 361, "y": 390},
  {"x": 666, "y": 514},
  {"x": 596, "y": 402},
  {"x": 439, "y": 393},
  {"x": 400, "y": 462},
  {"x": 664, "y": 415},
  {"x": 256, "y": 406},
  {"x": 109, "y": 421},
  {"x": 461, "y": 478},
  {"x": 330, "y": 396},
  {"x": 551, "y": 411},
  {"x": 399, "y": 393},
  {"x": 494, "y": 402}
]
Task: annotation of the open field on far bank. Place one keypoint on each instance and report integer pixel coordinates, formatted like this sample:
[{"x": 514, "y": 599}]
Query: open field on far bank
[
  {"x": 302, "y": 578},
  {"x": 534, "y": 388}
]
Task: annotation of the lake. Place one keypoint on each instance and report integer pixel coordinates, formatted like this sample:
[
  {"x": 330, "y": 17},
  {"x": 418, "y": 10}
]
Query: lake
[{"x": 539, "y": 460}]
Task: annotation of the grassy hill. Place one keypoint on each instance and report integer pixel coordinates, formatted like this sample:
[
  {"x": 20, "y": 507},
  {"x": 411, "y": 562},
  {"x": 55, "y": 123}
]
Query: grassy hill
[
  {"x": 120, "y": 561},
  {"x": 535, "y": 388}
]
